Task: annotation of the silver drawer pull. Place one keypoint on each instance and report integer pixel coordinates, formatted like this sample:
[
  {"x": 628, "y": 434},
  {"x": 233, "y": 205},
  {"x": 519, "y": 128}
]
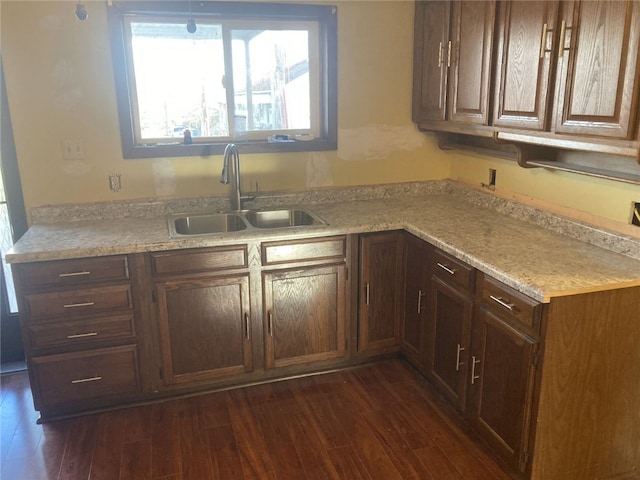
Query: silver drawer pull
[
  {"x": 83, "y": 335},
  {"x": 85, "y": 380},
  {"x": 458, "y": 362},
  {"x": 500, "y": 301},
  {"x": 474, "y": 377},
  {"x": 446, "y": 269},
  {"x": 73, "y": 274},
  {"x": 74, "y": 305}
]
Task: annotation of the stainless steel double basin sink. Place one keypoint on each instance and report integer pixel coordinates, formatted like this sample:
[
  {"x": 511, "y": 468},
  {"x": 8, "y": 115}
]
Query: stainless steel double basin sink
[{"x": 212, "y": 223}]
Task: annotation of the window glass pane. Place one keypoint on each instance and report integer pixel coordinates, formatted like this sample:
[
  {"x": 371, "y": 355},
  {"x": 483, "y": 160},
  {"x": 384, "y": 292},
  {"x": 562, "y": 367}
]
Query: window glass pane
[
  {"x": 178, "y": 80},
  {"x": 271, "y": 80}
]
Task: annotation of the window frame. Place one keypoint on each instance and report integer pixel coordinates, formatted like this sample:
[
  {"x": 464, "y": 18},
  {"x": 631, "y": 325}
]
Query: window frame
[{"x": 324, "y": 15}]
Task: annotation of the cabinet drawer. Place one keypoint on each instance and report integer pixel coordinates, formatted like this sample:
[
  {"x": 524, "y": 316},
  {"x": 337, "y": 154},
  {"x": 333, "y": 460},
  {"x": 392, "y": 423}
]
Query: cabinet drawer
[
  {"x": 86, "y": 301},
  {"x": 74, "y": 272},
  {"x": 81, "y": 332},
  {"x": 452, "y": 269},
  {"x": 200, "y": 260},
  {"x": 304, "y": 250},
  {"x": 79, "y": 376},
  {"x": 502, "y": 298}
]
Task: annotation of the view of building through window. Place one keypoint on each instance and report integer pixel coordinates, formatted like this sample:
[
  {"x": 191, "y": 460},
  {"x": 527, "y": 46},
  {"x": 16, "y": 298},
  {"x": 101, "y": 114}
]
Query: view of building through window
[{"x": 181, "y": 81}]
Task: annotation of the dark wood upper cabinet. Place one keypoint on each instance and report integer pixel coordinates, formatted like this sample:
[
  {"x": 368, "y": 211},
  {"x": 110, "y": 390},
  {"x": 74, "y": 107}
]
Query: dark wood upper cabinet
[
  {"x": 430, "y": 60},
  {"x": 552, "y": 76},
  {"x": 523, "y": 79},
  {"x": 453, "y": 48},
  {"x": 597, "y": 90}
]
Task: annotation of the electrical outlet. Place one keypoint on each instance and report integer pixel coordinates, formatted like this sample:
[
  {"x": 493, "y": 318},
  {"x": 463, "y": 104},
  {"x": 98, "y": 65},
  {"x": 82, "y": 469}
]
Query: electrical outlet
[
  {"x": 73, "y": 149},
  {"x": 492, "y": 180},
  {"x": 115, "y": 182},
  {"x": 635, "y": 214}
]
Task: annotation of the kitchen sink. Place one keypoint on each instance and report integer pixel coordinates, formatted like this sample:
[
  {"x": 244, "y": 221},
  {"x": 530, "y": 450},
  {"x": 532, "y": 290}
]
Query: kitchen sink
[
  {"x": 212, "y": 223},
  {"x": 199, "y": 224},
  {"x": 281, "y": 218}
]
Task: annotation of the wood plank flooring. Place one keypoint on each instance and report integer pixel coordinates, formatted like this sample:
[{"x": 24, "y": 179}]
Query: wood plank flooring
[{"x": 380, "y": 421}]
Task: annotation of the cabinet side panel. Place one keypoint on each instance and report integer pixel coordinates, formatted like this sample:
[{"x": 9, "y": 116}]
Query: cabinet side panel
[{"x": 588, "y": 423}]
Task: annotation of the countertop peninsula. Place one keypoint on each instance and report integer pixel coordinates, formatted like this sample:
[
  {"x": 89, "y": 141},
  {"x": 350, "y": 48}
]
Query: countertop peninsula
[{"x": 539, "y": 254}]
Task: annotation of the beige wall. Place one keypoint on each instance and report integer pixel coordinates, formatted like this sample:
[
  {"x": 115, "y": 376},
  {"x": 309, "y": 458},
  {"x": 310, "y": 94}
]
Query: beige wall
[{"x": 60, "y": 85}]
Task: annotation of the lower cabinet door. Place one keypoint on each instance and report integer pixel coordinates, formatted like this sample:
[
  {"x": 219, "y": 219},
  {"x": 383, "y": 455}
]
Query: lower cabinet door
[
  {"x": 205, "y": 328},
  {"x": 416, "y": 258},
  {"x": 380, "y": 303},
  {"x": 69, "y": 378},
  {"x": 304, "y": 313},
  {"x": 501, "y": 385},
  {"x": 448, "y": 334}
]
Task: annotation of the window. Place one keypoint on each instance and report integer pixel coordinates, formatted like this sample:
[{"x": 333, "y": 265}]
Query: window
[{"x": 193, "y": 77}]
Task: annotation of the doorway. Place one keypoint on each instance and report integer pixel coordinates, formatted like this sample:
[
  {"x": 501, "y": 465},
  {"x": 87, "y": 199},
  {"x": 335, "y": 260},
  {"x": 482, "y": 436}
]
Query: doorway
[{"x": 13, "y": 224}]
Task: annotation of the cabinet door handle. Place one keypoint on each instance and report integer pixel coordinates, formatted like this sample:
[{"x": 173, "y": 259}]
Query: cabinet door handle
[
  {"x": 446, "y": 269},
  {"x": 474, "y": 377},
  {"x": 563, "y": 28},
  {"x": 440, "y": 55},
  {"x": 73, "y": 274},
  {"x": 85, "y": 380},
  {"x": 502, "y": 302},
  {"x": 246, "y": 325},
  {"x": 366, "y": 293},
  {"x": 449, "y": 54},
  {"x": 82, "y": 335},
  {"x": 543, "y": 40},
  {"x": 75, "y": 305},
  {"x": 420, "y": 295},
  {"x": 270, "y": 323},
  {"x": 458, "y": 362}
]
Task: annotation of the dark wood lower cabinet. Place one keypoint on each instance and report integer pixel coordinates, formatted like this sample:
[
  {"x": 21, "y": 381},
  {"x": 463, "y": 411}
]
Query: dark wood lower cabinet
[
  {"x": 304, "y": 315},
  {"x": 417, "y": 254},
  {"x": 204, "y": 328},
  {"x": 552, "y": 387},
  {"x": 380, "y": 296},
  {"x": 501, "y": 381},
  {"x": 448, "y": 333}
]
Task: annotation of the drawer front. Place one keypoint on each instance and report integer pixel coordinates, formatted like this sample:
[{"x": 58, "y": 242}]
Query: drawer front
[
  {"x": 200, "y": 260},
  {"x": 504, "y": 299},
  {"x": 81, "y": 302},
  {"x": 451, "y": 269},
  {"x": 74, "y": 272},
  {"x": 79, "y": 376},
  {"x": 304, "y": 250},
  {"x": 81, "y": 332}
]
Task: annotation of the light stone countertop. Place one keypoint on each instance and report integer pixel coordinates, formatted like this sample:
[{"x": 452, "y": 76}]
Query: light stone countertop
[{"x": 540, "y": 255}]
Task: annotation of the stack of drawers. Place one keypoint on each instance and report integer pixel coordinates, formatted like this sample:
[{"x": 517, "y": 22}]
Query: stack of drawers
[{"x": 78, "y": 326}]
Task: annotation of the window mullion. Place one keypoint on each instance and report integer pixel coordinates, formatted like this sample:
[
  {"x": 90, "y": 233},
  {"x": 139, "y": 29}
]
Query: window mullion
[
  {"x": 249, "y": 86},
  {"x": 228, "y": 78}
]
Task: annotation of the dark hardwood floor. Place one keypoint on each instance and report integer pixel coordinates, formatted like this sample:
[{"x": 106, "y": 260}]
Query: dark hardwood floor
[{"x": 380, "y": 421}]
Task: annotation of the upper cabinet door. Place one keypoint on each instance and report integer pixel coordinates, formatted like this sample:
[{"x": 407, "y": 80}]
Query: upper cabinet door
[
  {"x": 470, "y": 58},
  {"x": 526, "y": 32},
  {"x": 597, "y": 68},
  {"x": 430, "y": 60}
]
